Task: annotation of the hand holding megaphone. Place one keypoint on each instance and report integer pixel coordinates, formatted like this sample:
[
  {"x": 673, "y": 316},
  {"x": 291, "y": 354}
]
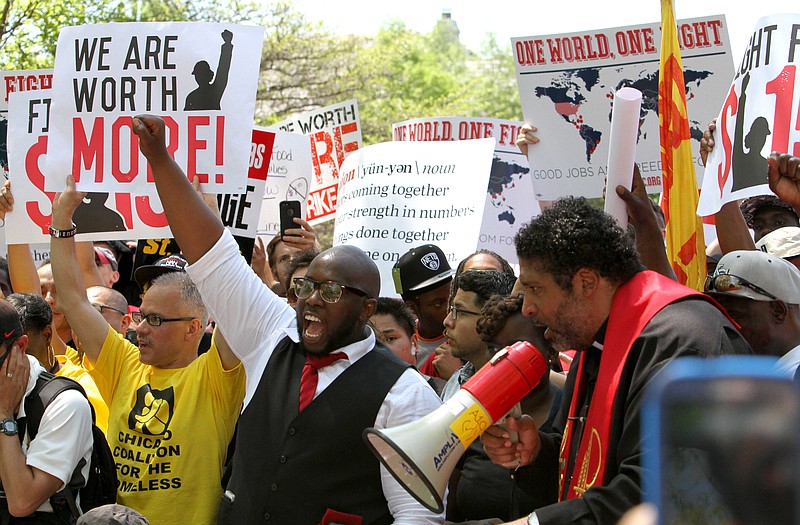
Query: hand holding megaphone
[{"x": 503, "y": 450}]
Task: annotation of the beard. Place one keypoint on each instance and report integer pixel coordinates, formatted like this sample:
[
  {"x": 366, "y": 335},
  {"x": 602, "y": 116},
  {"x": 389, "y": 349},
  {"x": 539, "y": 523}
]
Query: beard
[
  {"x": 335, "y": 338},
  {"x": 568, "y": 330}
]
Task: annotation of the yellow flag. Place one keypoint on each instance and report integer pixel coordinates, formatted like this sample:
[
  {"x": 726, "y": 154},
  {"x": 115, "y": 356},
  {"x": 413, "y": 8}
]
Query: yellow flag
[{"x": 685, "y": 242}]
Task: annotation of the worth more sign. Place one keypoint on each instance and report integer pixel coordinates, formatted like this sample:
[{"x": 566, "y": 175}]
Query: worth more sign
[{"x": 200, "y": 78}]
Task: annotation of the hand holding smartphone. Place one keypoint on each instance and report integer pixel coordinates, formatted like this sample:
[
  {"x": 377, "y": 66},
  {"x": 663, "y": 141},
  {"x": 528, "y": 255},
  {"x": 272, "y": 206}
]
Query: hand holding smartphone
[{"x": 288, "y": 211}]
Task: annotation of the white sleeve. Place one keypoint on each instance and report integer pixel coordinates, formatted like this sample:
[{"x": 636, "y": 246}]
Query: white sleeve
[
  {"x": 408, "y": 400},
  {"x": 64, "y": 437},
  {"x": 251, "y": 317}
]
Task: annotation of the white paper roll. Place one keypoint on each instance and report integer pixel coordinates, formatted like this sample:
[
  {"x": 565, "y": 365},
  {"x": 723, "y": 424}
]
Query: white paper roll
[{"x": 622, "y": 150}]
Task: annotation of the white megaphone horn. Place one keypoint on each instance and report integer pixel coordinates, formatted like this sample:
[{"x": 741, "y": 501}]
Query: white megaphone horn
[{"x": 422, "y": 454}]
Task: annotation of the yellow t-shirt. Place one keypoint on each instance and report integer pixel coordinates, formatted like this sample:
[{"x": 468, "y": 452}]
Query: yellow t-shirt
[
  {"x": 168, "y": 430},
  {"x": 68, "y": 369}
]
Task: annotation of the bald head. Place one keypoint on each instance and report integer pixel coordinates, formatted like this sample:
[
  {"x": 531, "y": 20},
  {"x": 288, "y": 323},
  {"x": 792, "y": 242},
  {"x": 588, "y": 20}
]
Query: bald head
[{"x": 354, "y": 268}]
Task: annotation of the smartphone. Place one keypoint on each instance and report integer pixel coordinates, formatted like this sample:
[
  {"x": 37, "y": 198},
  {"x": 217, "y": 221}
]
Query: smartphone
[
  {"x": 721, "y": 442},
  {"x": 288, "y": 211}
]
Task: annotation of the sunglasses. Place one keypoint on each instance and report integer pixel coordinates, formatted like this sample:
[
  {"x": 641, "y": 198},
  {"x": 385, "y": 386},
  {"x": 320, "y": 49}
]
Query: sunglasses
[
  {"x": 730, "y": 283},
  {"x": 329, "y": 291},
  {"x": 155, "y": 319}
]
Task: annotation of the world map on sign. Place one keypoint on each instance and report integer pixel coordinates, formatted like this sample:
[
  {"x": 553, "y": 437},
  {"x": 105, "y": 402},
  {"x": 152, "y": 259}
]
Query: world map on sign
[
  {"x": 571, "y": 90},
  {"x": 502, "y": 181}
]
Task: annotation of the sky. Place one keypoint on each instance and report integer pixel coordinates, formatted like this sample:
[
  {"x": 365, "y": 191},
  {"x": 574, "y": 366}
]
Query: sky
[{"x": 507, "y": 19}]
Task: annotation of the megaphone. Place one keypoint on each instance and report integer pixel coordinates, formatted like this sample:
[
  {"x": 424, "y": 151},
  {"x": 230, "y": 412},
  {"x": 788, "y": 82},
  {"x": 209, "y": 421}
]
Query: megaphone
[{"x": 422, "y": 454}]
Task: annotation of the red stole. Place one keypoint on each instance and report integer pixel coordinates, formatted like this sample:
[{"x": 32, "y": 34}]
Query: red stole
[{"x": 633, "y": 305}]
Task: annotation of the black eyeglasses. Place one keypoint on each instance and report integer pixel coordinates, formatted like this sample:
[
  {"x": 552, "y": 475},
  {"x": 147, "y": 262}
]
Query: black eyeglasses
[
  {"x": 724, "y": 282},
  {"x": 101, "y": 307},
  {"x": 330, "y": 291},
  {"x": 155, "y": 319},
  {"x": 455, "y": 312}
]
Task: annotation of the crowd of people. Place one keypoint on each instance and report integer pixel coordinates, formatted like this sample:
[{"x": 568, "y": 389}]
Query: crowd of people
[{"x": 236, "y": 393}]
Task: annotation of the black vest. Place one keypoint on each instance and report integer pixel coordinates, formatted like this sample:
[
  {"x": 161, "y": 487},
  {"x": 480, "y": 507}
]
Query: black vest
[{"x": 289, "y": 468}]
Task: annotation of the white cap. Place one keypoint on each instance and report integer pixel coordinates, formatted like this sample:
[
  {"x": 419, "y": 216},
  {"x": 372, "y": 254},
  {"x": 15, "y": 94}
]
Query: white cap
[
  {"x": 783, "y": 242},
  {"x": 768, "y": 272}
]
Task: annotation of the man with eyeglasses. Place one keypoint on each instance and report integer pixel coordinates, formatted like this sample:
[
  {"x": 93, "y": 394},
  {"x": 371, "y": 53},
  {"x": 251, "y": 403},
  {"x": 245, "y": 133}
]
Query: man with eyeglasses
[
  {"x": 112, "y": 305},
  {"x": 171, "y": 412},
  {"x": 583, "y": 279},
  {"x": 316, "y": 377},
  {"x": 761, "y": 292},
  {"x": 473, "y": 289},
  {"x": 33, "y": 470}
]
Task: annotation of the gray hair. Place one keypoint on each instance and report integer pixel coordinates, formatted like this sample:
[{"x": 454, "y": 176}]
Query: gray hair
[{"x": 188, "y": 292}]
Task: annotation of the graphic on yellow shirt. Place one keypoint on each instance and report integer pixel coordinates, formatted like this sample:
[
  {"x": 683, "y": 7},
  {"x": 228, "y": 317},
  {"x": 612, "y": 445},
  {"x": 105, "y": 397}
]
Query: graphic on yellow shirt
[{"x": 153, "y": 410}]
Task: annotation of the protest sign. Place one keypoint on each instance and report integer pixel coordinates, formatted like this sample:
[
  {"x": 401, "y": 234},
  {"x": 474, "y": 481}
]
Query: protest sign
[
  {"x": 10, "y": 82},
  {"x": 759, "y": 115},
  {"x": 397, "y": 195},
  {"x": 567, "y": 83},
  {"x": 13, "y": 81},
  {"x": 288, "y": 176},
  {"x": 102, "y": 216},
  {"x": 335, "y": 132},
  {"x": 510, "y": 201},
  {"x": 106, "y": 73}
]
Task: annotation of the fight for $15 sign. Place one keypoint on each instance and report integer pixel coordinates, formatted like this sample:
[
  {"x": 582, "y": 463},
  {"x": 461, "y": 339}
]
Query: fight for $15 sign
[
  {"x": 200, "y": 77},
  {"x": 760, "y": 114}
]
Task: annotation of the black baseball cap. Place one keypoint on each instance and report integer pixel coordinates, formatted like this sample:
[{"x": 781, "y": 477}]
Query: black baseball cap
[
  {"x": 420, "y": 269},
  {"x": 171, "y": 263},
  {"x": 10, "y": 323}
]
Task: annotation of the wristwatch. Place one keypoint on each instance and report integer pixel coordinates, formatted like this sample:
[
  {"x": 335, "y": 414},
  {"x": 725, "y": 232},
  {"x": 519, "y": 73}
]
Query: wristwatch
[
  {"x": 61, "y": 234},
  {"x": 532, "y": 519},
  {"x": 9, "y": 427}
]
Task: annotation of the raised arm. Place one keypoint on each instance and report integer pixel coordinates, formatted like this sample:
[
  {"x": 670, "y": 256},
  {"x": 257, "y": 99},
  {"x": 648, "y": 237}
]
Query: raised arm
[
  {"x": 21, "y": 268},
  {"x": 87, "y": 323},
  {"x": 193, "y": 224},
  {"x": 649, "y": 241},
  {"x": 732, "y": 232}
]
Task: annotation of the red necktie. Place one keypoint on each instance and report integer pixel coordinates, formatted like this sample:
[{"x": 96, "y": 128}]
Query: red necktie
[{"x": 308, "y": 381}]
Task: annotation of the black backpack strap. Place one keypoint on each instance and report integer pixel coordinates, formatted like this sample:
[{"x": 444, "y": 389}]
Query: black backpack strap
[{"x": 48, "y": 386}]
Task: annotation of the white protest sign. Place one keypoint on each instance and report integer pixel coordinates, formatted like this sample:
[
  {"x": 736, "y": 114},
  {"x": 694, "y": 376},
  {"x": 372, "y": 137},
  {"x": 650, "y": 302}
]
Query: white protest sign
[
  {"x": 102, "y": 216},
  {"x": 397, "y": 195},
  {"x": 759, "y": 115},
  {"x": 288, "y": 156},
  {"x": 335, "y": 132},
  {"x": 510, "y": 202},
  {"x": 200, "y": 77},
  {"x": 567, "y": 83},
  {"x": 11, "y": 82}
]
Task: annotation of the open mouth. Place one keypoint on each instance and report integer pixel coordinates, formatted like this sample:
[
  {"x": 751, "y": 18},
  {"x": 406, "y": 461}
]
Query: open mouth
[{"x": 312, "y": 327}]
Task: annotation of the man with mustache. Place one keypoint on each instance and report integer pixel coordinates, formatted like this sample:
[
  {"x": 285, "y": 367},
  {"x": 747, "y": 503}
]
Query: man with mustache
[
  {"x": 172, "y": 413},
  {"x": 583, "y": 279}
]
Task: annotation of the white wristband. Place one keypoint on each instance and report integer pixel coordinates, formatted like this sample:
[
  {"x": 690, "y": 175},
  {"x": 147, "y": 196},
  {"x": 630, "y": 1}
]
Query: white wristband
[{"x": 532, "y": 519}]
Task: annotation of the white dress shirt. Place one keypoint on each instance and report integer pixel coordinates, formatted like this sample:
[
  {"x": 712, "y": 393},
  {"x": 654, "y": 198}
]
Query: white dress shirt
[{"x": 253, "y": 320}]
